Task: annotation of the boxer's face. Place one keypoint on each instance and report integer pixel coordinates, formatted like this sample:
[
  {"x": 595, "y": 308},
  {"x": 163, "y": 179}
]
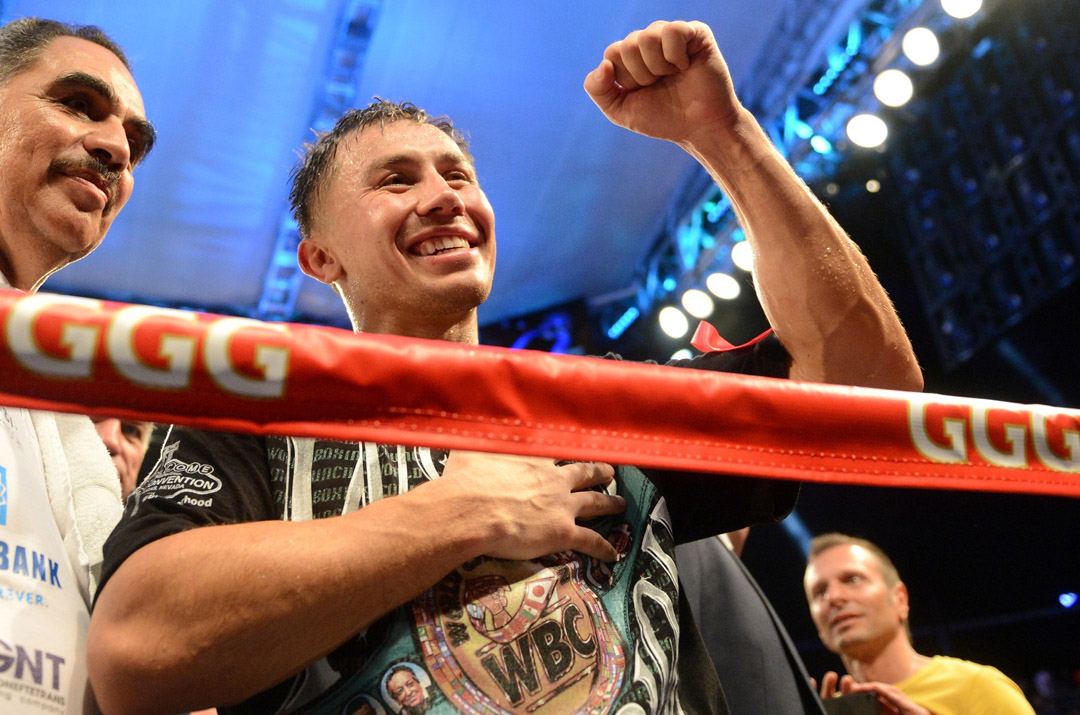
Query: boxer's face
[{"x": 409, "y": 231}]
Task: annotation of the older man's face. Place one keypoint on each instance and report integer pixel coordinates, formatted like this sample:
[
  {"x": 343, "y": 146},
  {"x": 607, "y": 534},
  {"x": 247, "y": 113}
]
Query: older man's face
[
  {"x": 72, "y": 127},
  {"x": 405, "y": 689}
]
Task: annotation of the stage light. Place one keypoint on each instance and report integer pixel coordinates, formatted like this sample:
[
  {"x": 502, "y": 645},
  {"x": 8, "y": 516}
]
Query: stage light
[
  {"x": 714, "y": 210},
  {"x": 723, "y": 286},
  {"x": 743, "y": 256},
  {"x": 697, "y": 303},
  {"x": 961, "y": 9},
  {"x": 682, "y": 354},
  {"x": 873, "y": 186},
  {"x": 797, "y": 531},
  {"x": 920, "y": 45},
  {"x": 867, "y": 130},
  {"x": 820, "y": 144},
  {"x": 893, "y": 88},
  {"x": 673, "y": 322},
  {"x": 670, "y": 283},
  {"x": 624, "y": 321},
  {"x": 1068, "y": 600}
]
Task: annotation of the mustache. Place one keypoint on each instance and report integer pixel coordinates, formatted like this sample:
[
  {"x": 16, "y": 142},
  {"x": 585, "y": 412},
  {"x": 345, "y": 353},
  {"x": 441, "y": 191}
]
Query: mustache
[{"x": 91, "y": 163}]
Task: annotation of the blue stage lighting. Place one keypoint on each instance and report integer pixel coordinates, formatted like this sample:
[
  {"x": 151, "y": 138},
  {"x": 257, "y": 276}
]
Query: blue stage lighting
[
  {"x": 623, "y": 322},
  {"x": 797, "y": 532},
  {"x": 854, "y": 39},
  {"x": 820, "y": 144},
  {"x": 715, "y": 209},
  {"x": 796, "y": 126},
  {"x": 1068, "y": 600},
  {"x": 984, "y": 46},
  {"x": 688, "y": 239}
]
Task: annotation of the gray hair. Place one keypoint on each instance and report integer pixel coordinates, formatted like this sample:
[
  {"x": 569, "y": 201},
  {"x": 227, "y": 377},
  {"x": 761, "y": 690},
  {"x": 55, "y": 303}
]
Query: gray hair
[{"x": 23, "y": 41}]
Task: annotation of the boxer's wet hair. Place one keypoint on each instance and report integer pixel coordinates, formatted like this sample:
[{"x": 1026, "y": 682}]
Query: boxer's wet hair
[{"x": 316, "y": 165}]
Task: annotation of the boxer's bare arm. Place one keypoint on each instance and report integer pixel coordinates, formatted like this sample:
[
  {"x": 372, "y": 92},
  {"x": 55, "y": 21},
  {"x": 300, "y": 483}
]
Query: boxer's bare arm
[
  {"x": 670, "y": 81},
  {"x": 213, "y": 615}
]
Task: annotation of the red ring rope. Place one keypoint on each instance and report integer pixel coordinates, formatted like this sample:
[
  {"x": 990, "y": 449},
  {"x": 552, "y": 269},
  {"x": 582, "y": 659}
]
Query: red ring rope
[{"x": 214, "y": 372}]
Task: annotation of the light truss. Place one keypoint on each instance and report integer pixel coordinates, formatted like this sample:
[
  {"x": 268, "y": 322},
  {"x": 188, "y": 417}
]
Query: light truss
[{"x": 344, "y": 63}]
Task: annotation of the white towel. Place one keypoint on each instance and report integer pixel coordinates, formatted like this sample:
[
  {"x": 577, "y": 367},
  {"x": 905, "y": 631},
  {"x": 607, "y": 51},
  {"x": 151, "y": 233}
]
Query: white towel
[{"x": 83, "y": 487}]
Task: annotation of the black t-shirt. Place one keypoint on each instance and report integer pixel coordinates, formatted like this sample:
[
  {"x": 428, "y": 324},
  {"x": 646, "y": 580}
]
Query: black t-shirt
[{"x": 562, "y": 633}]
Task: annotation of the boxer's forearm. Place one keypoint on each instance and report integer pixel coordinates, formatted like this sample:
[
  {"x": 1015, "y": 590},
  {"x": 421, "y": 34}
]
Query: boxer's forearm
[{"x": 815, "y": 286}]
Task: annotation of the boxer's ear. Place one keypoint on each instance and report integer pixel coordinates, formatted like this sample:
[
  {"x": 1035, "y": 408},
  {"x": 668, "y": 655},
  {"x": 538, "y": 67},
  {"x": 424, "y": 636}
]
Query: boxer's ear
[{"x": 319, "y": 262}]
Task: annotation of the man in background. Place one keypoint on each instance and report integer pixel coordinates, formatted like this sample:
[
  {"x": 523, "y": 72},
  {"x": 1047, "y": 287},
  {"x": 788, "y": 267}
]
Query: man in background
[
  {"x": 860, "y": 607},
  {"x": 127, "y": 442}
]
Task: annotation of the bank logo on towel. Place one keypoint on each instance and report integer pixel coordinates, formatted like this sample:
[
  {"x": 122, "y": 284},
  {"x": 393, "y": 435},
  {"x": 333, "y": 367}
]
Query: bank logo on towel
[{"x": 3, "y": 496}]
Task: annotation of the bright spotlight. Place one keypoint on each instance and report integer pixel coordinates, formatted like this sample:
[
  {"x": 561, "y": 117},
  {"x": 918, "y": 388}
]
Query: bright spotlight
[
  {"x": 893, "y": 88},
  {"x": 867, "y": 130},
  {"x": 1068, "y": 600},
  {"x": 961, "y": 9},
  {"x": 873, "y": 186},
  {"x": 697, "y": 303},
  {"x": 723, "y": 286},
  {"x": 920, "y": 45},
  {"x": 674, "y": 322},
  {"x": 682, "y": 354},
  {"x": 743, "y": 256},
  {"x": 820, "y": 144}
]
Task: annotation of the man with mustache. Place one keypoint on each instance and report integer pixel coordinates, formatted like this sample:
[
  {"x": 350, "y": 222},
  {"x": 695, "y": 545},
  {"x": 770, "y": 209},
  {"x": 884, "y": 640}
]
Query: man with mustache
[
  {"x": 860, "y": 607},
  {"x": 72, "y": 129},
  {"x": 318, "y": 566},
  {"x": 406, "y": 691}
]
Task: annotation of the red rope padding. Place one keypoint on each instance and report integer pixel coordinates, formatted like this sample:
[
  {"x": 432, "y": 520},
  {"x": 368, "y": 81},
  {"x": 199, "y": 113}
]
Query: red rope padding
[{"x": 214, "y": 372}]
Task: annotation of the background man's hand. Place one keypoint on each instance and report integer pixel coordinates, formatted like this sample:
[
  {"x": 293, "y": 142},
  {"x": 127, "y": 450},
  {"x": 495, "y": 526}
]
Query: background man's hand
[
  {"x": 667, "y": 81},
  {"x": 533, "y": 504},
  {"x": 891, "y": 700}
]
